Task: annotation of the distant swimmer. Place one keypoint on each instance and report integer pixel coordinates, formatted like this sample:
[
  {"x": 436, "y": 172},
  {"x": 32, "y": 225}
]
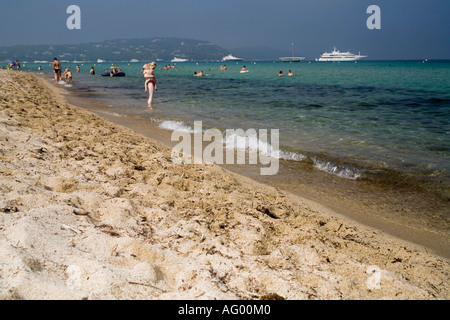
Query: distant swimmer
[
  {"x": 39, "y": 68},
  {"x": 290, "y": 74},
  {"x": 280, "y": 74},
  {"x": 243, "y": 69},
  {"x": 200, "y": 74},
  {"x": 78, "y": 68},
  {"x": 223, "y": 67},
  {"x": 57, "y": 69},
  {"x": 92, "y": 71}
]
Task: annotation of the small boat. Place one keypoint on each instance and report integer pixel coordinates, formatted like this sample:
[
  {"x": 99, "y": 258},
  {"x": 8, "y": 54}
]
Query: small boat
[
  {"x": 293, "y": 58},
  {"x": 175, "y": 59},
  {"x": 118, "y": 74},
  {"x": 230, "y": 57},
  {"x": 115, "y": 72}
]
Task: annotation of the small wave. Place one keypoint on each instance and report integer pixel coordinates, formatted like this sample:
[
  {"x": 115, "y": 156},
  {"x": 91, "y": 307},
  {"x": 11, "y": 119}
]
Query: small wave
[
  {"x": 293, "y": 156},
  {"x": 339, "y": 170},
  {"x": 252, "y": 143},
  {"x": 176, "y": 126}
]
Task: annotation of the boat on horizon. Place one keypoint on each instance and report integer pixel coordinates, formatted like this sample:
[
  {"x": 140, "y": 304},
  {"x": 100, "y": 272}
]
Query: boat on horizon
[
  {"x": 336, "y": 55},
  {"x": 175, "y": 59},
  {"x": 293, "y": 58},
  {"x": 230, "y": 57},
  {"x": 100, "y": 61}
]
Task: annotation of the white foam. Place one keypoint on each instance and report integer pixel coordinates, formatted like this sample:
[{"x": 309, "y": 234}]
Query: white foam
[
  {"x": 176, "y": 126},
  {"x": 252, "y": 143},
  {"x": 341, "y": 171}
]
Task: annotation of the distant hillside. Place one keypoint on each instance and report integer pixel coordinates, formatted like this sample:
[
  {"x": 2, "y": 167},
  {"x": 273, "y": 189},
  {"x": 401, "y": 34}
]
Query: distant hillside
[{"x": 164, "y": 49}]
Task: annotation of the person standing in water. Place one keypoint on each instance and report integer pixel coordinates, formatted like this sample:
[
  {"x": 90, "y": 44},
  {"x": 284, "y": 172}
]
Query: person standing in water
[
  {"x": 150, "y": 81},
  {"x": 57, "y": 69}
]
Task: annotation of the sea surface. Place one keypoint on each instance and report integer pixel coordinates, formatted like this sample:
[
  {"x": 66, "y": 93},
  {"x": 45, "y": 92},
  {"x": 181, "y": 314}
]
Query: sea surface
[{"x": 353, "y": 120}]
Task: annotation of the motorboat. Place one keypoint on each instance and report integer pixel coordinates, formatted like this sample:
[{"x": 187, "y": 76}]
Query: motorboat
[
  {"x": 336, "y": 55},
  {"x": 230, "y": 57},
  {"x": 175, "y": 59}
]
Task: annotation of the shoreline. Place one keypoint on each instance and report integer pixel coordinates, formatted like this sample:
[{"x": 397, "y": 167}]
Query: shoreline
[
  {"x": 400, "y": 211},
  {"x": 93, "y": 210}
]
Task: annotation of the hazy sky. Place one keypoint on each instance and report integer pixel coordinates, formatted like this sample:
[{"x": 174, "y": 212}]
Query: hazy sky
[{"x": 410, "y": 29}]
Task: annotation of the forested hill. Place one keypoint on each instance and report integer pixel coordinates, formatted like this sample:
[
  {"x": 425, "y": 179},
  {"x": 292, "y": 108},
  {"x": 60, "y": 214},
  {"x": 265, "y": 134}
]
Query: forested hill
[{"x": 118, "y": 50}]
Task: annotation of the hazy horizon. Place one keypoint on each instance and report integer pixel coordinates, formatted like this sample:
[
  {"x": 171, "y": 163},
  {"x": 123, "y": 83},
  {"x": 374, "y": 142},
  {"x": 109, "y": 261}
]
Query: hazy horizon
[{"x": 410, "y": 30}]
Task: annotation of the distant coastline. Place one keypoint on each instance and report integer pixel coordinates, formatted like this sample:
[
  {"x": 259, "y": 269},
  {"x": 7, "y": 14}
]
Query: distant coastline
[{"x": 158, "y": 48}]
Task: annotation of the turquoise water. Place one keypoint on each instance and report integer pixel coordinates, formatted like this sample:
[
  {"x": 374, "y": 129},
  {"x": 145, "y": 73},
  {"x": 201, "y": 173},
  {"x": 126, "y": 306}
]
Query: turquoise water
[{"x": 348, "y": 119}]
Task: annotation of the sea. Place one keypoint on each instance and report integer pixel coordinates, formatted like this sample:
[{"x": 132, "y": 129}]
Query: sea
[{"x": 376, "y": 121}]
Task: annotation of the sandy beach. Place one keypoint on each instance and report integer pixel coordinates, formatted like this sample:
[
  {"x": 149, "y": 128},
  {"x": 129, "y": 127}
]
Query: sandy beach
[{"x": 92, "y": 210}]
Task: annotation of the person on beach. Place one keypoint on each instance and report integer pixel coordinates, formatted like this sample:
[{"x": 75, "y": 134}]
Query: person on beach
[
  {"x": 150, "y": 81},
  {"x": 57, "y": 69}
]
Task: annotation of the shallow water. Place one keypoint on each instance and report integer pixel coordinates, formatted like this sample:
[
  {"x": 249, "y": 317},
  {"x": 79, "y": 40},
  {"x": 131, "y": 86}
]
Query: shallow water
[{"x": 348, "y": 118}]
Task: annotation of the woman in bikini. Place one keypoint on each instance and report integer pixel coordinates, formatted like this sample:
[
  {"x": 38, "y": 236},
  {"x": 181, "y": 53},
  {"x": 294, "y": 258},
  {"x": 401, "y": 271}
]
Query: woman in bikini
[{"x": 150, "y": 81}]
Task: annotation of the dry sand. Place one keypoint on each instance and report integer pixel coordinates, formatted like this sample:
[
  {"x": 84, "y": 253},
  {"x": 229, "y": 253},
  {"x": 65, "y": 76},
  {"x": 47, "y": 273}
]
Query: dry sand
[{"x": 92, "y": 210}]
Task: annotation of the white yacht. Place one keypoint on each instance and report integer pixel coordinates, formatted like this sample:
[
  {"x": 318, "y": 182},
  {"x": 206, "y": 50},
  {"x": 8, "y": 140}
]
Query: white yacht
[
  {"x": 175, "y": 59},
  {"x": 230, "y": 57},
  {"x": 336, "y": 55},
  {"x": 293, "y": 58}
]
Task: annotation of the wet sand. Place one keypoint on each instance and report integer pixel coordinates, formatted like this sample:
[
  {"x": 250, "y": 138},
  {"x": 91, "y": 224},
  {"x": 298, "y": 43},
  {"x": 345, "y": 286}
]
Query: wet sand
[{"x": 92, "y": 210}]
